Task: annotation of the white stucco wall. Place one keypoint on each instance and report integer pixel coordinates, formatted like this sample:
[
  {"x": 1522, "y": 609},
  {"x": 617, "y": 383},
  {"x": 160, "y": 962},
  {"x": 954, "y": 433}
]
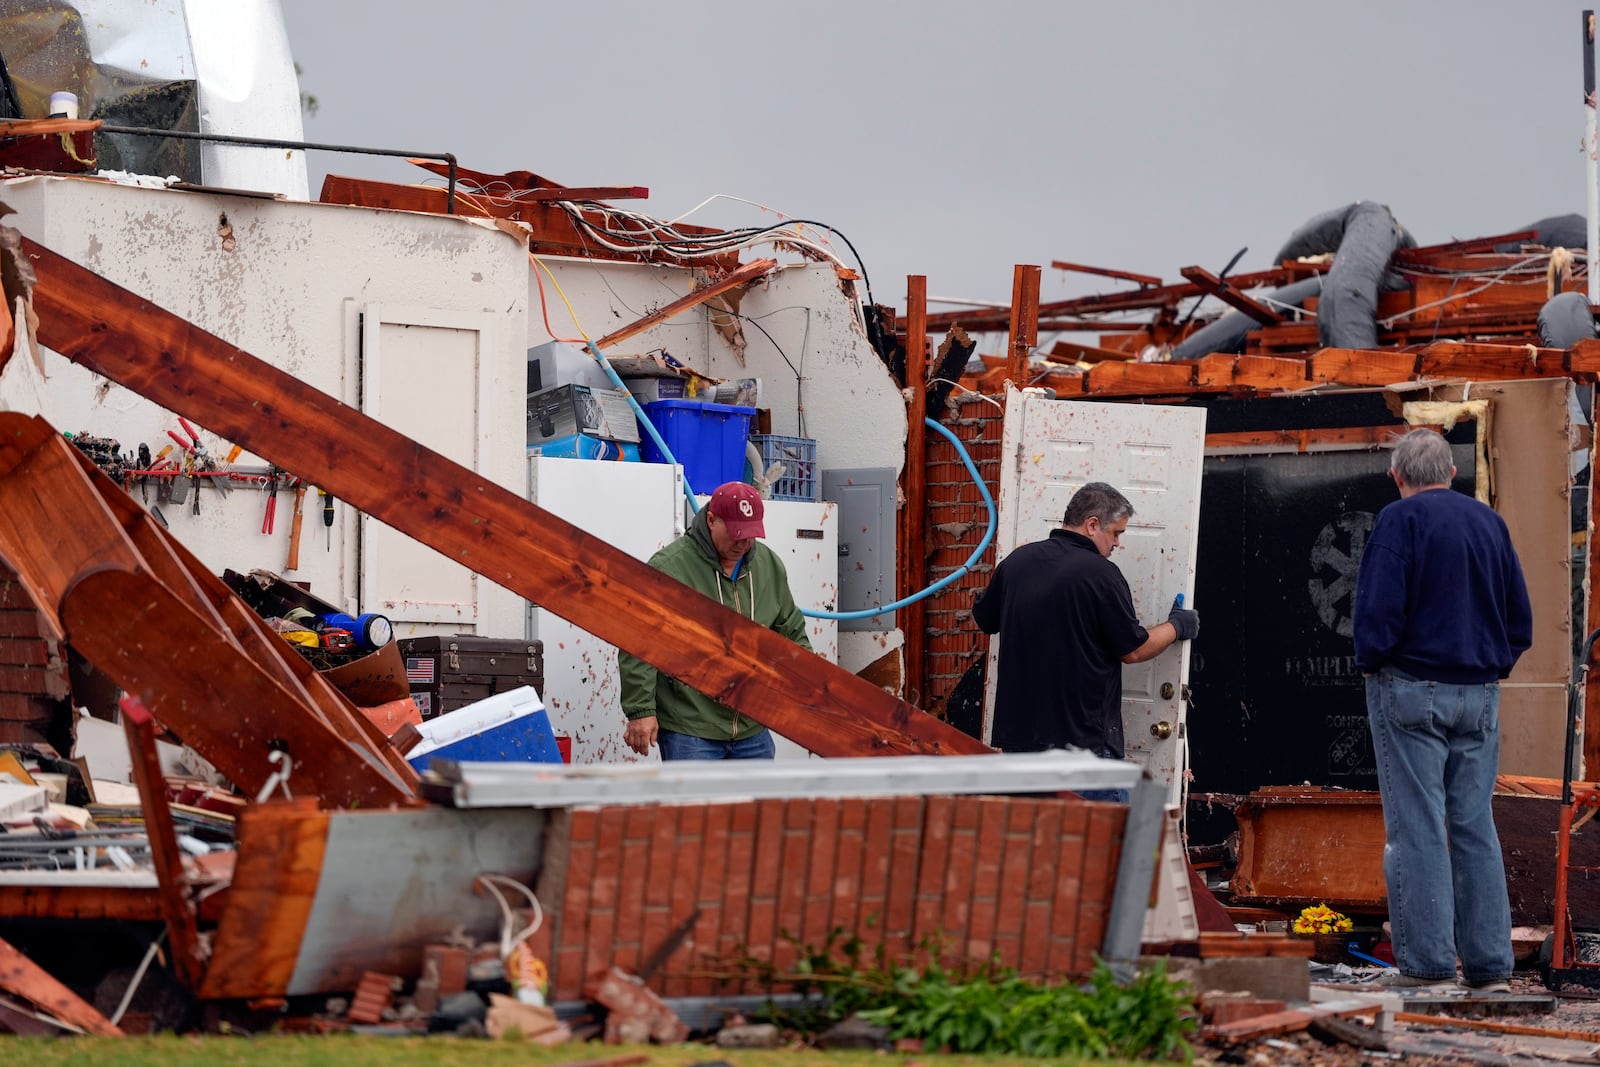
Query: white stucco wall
[{"x": 288, "y": 291}]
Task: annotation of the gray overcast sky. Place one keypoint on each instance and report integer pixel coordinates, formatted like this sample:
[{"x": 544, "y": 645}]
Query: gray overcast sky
[{"x": 955, "y": 139}]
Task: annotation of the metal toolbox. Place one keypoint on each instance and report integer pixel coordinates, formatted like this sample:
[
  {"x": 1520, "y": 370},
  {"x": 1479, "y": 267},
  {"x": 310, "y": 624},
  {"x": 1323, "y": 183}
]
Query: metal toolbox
[{"x": 446, "y": 673}]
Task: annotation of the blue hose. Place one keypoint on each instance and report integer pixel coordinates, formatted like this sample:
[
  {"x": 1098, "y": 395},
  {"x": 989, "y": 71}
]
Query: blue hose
[
  {"x": 864, "y": 613},
  {"x": 959, "y": 572}
]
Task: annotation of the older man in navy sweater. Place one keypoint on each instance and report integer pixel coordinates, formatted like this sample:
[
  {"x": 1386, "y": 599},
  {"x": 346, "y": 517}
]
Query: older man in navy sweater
[{"x": 1441, "y": 615}]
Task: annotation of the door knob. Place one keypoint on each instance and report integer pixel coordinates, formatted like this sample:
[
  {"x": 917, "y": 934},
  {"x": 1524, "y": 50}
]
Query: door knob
[
  {"x": 1161, "y": 730},
  {"x": 1167, "y": 690}
]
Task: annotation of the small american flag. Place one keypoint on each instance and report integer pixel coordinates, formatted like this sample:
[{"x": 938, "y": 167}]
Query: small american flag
[{"x": 420, "y": 670}]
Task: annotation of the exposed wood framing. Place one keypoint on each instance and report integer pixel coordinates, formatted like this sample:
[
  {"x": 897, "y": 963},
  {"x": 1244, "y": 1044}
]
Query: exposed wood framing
[
  {"x": 1146, "y": 280},
  {"x": 1305, "y": 440},
  {"x": 551, "y": 230},
  {"x": 177, "y": 907},
  {"x": 1226, "y": 292},
  {"x": 485, "y": 527},
  {"x": 1024, "y": 322},
  {"x": 914, "y": 550},
  {"x": 746, "y": 274}
]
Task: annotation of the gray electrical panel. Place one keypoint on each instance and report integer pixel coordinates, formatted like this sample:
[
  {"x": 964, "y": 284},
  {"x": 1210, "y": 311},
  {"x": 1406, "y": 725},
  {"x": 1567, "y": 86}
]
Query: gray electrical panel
[{"x": 866, "y": 500}]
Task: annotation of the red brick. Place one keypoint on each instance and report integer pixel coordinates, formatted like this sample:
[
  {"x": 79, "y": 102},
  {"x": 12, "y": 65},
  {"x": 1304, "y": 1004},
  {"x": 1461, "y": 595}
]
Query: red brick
[
  {"x": 992, "y": 813},
  {"x": 713, "y": 887},
  {"x": 733, "y": 932},
  {"x": 638, "y": 824},
  {"x": 572, "y": 927},
  {"x": 847, "y": 867},
  {"x": 28, "y": 679},
  {"x": 684, "y": 870},
  {"x": 1105, "y": 824},
  {"x": 932, "y": 866},
  {"x": 23, "y": 652},
  {"x": 656, "y": 921},
  {"x": 26, "y": 708},
  {"x": 815, "y": 926},
  {"x": 627, "y": 998},
  {"x": 792, "y": 881},
  {"x": 1069, "y": 887},
  {"x": 604, "y": 892},
  {"x": 957, "y": 912},
  {"x": 1041, "y": 889},
  {"x": 450, "y": 962},
  {"x": 373, "y": 997},
  {"x": 766, "y": 872},
  {"x": 875, "y": 855},
  {"x": 1014, "y": 879},
  {"x": 905, "y": 842},
  {"x": 1221, "y": 1012},
  {"x": 21, "y": 624}
]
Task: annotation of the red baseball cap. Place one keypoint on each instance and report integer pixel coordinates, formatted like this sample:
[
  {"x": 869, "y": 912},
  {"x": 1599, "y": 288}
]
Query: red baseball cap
[{"x": 739, "y": 507}]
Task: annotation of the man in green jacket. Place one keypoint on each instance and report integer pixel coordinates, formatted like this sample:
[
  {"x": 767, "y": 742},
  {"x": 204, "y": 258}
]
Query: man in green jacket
[{"x": 720, "y": 557}]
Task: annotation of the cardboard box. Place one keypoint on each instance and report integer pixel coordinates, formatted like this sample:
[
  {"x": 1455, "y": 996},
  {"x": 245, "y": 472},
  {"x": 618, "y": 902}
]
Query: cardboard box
[
  {"x": 570, "y": 409},
  {"x": 649, "y": 390}
]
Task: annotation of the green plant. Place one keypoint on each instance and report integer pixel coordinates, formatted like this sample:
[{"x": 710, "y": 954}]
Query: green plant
[{"x": 984, "y": 1008}]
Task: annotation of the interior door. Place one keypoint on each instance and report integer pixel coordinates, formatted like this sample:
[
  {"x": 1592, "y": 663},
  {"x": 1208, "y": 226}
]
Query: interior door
[
  {"x": 1153, "y": 454},
  {"x": 422, "y": 374}
]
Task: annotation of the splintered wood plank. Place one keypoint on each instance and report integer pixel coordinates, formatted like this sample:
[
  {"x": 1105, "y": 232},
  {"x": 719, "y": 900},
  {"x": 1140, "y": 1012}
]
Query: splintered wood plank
[
  {"x": 1225, "y": 292},
  {"x": 39, "y": 485},
  {"x": 1073, "y": 352},
  {"x": 469, "y": 519},
  {"x": 1024, "y": 332},
  {"x": 1455, "y": 359},
  {"x": 1215, "y": 371},
  {"x": 1131, "y": 379},
  {"x": 1584, "y": 358},
  {"x": 20, "y": 975},
  {"x": 743, "y": 276},
  {"x": 1305, "y": 440},
  {"x": 255, "y": 947},
  {"x": 1065, "y": 385},
  {"x": 177, "y": 908},
  {"x": 1361, "y": 366},
  {"x": 224, "y": 705},
  {"x": 1147, "y": 280},
  {"x": 1267, "y": 373}
]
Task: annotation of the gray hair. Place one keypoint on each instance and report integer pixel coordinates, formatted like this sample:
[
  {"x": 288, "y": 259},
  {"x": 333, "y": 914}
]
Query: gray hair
[
  {"x": 1099, "y": 501},
  {"x": 1422, "y": 458}
]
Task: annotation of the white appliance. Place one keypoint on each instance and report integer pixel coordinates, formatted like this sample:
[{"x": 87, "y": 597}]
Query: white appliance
[
  {"x": 637, "y": 507},
  {"x": 806, "y": 536}
]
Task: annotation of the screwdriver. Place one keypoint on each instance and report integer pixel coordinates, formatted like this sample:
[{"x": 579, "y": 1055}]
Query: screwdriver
[{"x": 327, "y": 516}]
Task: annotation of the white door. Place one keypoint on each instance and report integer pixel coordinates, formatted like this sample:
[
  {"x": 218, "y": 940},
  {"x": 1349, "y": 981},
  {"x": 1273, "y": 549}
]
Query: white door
[
  {"x": 1153, "y": 454},
  {"x": 422, "y": 374}
]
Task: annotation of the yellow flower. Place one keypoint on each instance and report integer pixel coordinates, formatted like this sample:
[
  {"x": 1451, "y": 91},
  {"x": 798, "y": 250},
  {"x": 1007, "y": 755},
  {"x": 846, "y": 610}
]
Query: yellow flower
[{"x": 1321, "y": 919}]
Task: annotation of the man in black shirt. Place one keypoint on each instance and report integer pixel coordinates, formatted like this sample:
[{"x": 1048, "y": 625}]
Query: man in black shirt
[{"x": 1066, "y": 624}]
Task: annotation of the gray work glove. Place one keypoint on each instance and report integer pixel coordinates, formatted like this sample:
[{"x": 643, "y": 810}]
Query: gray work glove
[{"x": 1185, "y": 620}]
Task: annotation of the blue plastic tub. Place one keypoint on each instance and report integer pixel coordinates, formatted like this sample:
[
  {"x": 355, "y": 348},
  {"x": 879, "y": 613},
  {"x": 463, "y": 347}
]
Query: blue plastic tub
[{"x": 707, "y": 439}]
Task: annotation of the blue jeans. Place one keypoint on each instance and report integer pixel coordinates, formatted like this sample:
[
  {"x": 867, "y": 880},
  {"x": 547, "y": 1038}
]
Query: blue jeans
[
  {"x": 687, "y": 746},
  {"x": 1438, "y": 751}
]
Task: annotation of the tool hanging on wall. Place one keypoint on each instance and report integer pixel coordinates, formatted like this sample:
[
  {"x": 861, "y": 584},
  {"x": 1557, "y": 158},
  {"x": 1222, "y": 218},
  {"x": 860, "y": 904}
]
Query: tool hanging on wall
[
  {"x": 327, "y": 516},
  {"x": 293, "y": 560},
  {"x": 271, "y": 487}
]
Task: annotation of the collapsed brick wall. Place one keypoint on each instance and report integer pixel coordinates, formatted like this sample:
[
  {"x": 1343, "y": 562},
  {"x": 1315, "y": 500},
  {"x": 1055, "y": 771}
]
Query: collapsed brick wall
[
  {"x": 1026, "y": 880},
  {"x": 955, "y": 521},
  {"x": 33, "y": 677}
]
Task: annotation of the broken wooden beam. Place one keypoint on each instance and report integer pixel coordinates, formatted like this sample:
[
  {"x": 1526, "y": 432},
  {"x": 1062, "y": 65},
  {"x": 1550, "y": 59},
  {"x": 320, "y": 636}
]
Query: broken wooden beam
[
  {"x": 481, "y": 525},
  {"x": 743, "y": 276},
  {"x": 1146, "y": 280},
  {"x": 1024, "y": 331},
  {"x": 177, "y": 907},
  {"x": 1361, "y": 366},
  {"x": 1225, "y": 291},
  {"x": 26, "y": 979}
]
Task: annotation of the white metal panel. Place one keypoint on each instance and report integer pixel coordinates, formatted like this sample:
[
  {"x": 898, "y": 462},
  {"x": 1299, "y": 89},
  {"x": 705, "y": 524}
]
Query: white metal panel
[
  {"x": 1153, "y": 454},
  {"x": 422, "y": 374},
  {"x": 806, "y": 536},
  {"x": 552, "y": 785},
  {"x": 638, "y": 508}
]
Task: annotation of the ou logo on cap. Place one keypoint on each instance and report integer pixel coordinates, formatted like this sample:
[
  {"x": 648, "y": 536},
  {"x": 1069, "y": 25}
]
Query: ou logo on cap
[{"x": 745, "y": 509}]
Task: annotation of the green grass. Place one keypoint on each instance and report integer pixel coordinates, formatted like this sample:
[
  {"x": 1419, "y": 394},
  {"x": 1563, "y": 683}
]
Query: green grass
[{"x": 343, "y": 1050}]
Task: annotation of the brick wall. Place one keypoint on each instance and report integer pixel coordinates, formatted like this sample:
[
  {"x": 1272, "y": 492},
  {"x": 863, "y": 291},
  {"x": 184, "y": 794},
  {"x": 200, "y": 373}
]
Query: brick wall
[
  {"x": 1027, "y": 879},
  {"x": 33, "y": 677},
  {"x": 955, "y": 521}
]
